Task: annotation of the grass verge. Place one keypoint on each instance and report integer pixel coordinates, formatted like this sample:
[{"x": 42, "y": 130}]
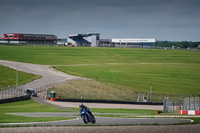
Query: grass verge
[
  {"x": 8, "y": 77},
  {"x": 26, "y": 107}
]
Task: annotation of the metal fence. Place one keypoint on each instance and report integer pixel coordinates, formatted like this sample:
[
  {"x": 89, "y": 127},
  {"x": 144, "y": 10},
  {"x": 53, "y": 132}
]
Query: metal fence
[
  {"x": 188, "y": 103},
  {"x": 171, "y": 106},
  {"x": 191, "y": 103},
  {"x": 12, "y": 92}
]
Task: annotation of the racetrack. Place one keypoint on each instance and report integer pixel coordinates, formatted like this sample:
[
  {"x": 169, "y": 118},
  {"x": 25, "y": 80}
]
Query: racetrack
[{"x": 99, "y": 120}]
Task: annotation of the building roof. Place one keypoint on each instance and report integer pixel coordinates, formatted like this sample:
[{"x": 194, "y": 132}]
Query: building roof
[
  {"x": 84, "y": 35},
  {"x": 29, "y": 34}
]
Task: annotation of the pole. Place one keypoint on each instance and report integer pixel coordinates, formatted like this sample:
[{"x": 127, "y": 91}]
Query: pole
[
  {"x": 150, "y": 92},
  {"x": 194, "y": 103},
  {"x": 16, "y": 78},
  {"x": 189, "y": 102},
  {"x": 199, "y": 102}
]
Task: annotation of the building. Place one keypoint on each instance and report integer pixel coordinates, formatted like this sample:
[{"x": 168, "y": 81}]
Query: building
[
  {"x": 128, "y": 42},
  {"x": 84, "y": 40},
  {"x": 135, "y": 41},
  {"x": 30, "y": 38}
]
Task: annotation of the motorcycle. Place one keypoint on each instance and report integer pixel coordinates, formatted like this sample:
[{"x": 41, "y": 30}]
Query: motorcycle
[{"x": 87, "y": 116}]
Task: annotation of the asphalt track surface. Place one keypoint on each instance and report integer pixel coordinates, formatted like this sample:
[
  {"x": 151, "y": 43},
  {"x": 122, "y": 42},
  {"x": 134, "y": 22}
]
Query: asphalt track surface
[
  {"x": 77, "y": 121},
  {"x": 49, "y": 75}
]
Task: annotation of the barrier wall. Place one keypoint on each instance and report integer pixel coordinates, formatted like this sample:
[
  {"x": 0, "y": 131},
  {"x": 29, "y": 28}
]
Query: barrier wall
[
  {"x": 189, "y": 112},
  {"x": 15, "y": 99},
  {"x": 106, "y": 101}
]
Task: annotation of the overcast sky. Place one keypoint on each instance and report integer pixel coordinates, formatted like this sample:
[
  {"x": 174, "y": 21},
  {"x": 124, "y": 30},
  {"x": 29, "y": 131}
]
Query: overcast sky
[{"x": 172, "y": 20}]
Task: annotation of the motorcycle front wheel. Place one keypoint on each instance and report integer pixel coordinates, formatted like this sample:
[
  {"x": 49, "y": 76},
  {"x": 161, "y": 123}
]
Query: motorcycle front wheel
[
  {"x": 85, "y": 119},
  {"x": 93, "y": 120}
]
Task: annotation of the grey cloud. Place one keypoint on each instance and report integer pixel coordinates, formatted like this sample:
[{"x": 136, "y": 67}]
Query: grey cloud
[{"x": 163, "y": 19}]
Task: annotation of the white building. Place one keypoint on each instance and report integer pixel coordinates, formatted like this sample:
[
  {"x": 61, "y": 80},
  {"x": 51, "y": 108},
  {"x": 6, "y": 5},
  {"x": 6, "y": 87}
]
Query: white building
[{"x": 133, "y": 40}]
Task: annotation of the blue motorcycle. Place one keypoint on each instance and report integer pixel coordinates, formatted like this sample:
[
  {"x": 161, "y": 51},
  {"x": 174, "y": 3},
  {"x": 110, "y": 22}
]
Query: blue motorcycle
[{"x": 87, "y": 116}]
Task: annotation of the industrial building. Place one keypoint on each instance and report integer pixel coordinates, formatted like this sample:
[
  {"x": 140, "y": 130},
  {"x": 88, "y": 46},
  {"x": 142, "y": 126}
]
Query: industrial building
[
  {"x": 84, "y": 40},
  {"x": 134, "y": 42},
  {"x": 147, "y": 41},
  {"x": 130, "y": 42},
  {"x": 30, "y": 38}
]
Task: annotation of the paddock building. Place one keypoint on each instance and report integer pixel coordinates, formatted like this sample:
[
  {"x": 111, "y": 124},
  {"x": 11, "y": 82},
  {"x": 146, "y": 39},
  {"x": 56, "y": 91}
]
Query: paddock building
[{"x": 30, "y": 38}]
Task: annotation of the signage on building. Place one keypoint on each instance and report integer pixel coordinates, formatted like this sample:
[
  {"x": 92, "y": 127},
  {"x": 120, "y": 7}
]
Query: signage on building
[{"x": 134, "y": 40}]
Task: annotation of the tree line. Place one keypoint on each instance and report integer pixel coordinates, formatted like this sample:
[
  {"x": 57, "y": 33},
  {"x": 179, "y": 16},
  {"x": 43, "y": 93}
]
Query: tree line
[{"x": 182, "y": 44}]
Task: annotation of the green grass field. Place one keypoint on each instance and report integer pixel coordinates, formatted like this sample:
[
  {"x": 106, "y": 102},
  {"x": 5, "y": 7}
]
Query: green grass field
[
  {"x": 26, "y": 107},
  {"x": 8, "y": 77},
  {"x": 168, "y": 71}
]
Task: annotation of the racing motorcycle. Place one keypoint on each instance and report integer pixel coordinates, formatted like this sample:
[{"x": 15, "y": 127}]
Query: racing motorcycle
[{"x": 87, "y": 116}]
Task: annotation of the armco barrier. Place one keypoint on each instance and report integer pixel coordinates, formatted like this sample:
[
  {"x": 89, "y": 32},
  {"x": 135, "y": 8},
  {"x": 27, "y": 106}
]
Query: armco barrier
[
  {"x": 15, "y": 99},
  {"x": 189, "y": 112},
  {"x": 106, "y": 101}
]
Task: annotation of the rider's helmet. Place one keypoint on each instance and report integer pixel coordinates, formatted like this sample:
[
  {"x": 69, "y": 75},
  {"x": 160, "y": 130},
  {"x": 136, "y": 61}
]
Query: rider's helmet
[{"x": 81, "y": 105}]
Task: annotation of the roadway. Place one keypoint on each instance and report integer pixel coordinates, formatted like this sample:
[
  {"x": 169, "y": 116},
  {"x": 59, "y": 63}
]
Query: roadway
[{"x": 77, "y": 121}]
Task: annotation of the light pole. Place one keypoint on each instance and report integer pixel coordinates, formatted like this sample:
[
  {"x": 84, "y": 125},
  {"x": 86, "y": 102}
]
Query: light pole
[
  {"x": 16, "y": 79},
  {"x": 150, "y": 92}
]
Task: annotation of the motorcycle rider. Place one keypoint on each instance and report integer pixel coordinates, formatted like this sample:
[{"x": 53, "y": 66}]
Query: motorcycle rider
[{"x": 81, "y": 106}]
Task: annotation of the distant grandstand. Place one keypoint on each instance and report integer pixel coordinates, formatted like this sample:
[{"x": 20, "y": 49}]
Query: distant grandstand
[
  {"x": 30, "y": 38},
  {"x": 84, "y": 40}
]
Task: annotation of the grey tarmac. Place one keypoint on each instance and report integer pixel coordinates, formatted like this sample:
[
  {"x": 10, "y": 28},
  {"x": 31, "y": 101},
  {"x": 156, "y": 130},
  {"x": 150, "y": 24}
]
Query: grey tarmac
[
  {"x": 49, "y": 75},
  {"x": 103, "y": 121}
]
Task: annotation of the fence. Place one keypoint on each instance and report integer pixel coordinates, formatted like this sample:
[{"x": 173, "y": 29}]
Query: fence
[
  {"x": 188, "y": 103},
  {"x": 12, "y": 92},
  {"x": 191, "y": 103},
  {"x": 170, "y": 106}
]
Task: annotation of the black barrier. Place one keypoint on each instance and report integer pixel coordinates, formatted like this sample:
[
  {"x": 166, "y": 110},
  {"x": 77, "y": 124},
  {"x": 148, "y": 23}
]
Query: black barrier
[
  {"x": 107, "y": 101},
  {"x": 15, "y": 99}
]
